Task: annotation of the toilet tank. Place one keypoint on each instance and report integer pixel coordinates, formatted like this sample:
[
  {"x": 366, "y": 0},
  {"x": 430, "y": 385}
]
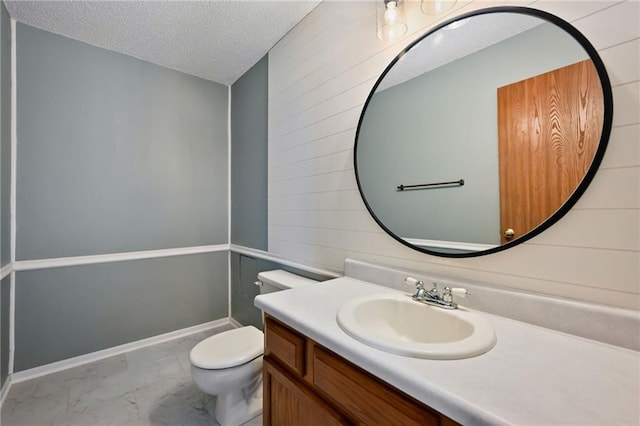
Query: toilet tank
[{"x": 276, "y": 280}]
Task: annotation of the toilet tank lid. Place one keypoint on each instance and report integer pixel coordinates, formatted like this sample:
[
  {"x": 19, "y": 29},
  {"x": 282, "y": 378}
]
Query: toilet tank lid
[
  {"x": 228, "y": 349},
  {"x": 283, "y": 279}
]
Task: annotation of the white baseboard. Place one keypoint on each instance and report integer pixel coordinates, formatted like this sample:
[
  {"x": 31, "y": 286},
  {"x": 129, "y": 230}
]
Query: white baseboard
[
  {"x": 235, "y": 323},
  {"x": 65, "y": 364},
  {"x": 5, "y": 391}
]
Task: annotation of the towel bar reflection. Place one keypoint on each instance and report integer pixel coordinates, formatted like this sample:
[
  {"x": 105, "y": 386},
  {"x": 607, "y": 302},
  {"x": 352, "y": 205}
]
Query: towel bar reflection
[{"x": 431, "y": 185}]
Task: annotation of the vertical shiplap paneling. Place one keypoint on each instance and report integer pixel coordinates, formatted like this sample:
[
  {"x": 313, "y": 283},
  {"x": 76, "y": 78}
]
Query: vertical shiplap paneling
[{"x": 319, "y": 77}]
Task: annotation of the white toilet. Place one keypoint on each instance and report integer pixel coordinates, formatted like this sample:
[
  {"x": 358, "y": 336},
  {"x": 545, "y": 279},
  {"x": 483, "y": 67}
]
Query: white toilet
[{"x": 229, "y": 364}]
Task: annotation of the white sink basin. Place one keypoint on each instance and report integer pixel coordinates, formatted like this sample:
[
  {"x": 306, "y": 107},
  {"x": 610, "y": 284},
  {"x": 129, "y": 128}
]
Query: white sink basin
[{"x": 395, "y": 323}]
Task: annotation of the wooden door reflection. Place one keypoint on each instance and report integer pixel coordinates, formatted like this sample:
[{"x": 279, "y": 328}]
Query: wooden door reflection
[{"x": 549, "y": 127}]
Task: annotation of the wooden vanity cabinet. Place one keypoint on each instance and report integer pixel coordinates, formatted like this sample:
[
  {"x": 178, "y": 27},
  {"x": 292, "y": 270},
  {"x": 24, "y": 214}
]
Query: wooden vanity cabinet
[
  {"x": 306, "y": 384},
  {"x": 289, "y": 402}
]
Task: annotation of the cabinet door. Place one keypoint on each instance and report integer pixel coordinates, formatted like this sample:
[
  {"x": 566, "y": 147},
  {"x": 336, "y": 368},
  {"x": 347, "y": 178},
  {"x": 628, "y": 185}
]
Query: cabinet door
[{"x": 288, "y": 402}]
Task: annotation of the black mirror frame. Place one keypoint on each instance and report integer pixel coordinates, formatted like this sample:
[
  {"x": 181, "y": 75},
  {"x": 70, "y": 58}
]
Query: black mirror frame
[{"x": 593, "y": 168}]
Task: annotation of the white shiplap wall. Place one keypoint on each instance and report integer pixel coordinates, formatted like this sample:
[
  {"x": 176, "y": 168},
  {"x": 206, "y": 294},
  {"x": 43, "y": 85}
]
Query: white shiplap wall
[{"x": 319, "y": 77}]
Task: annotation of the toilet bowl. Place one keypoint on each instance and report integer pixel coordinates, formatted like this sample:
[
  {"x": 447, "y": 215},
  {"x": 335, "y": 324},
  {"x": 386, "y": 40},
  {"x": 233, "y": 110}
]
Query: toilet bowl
[{"x": 229, "y": 364}]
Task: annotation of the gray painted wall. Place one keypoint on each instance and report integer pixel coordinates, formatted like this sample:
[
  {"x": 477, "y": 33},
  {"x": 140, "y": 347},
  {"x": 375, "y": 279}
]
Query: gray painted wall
[
  {"x": 5, "y": 287},
  {"x": 249, "y": 103},
  {"x": 116, "y": 154},
  {"x": 244, "y": 273},
  {"x": 66, "y": 312},
  {"x": 441, "y": 126},
  {"x": 5, "y": 136},
  {"x": 5, "y": 185},
  {"x": 249, "y": 157}
]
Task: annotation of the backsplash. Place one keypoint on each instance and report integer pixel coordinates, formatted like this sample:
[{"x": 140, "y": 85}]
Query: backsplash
[
  {"x": 615, "y": 326},
  {"x": 320, "y": 74}
]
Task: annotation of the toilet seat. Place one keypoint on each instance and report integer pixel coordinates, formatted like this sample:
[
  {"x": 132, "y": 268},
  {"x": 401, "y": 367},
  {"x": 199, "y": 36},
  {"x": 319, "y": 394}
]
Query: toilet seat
[{"x": 228, "y": 349}]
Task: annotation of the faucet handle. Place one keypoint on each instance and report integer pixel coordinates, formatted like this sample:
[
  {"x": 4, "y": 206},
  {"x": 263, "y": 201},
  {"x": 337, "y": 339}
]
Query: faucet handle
[
  {"x": 447, "y": 294},
  {"x": 413, "y": 282},
  {"x": 460, "y": 292},
  {"x": 419, "y": 295}
]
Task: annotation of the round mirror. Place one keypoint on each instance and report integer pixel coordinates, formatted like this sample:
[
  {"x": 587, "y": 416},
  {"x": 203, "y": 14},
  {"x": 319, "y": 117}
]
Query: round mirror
[{"x": 483, "y": 132}]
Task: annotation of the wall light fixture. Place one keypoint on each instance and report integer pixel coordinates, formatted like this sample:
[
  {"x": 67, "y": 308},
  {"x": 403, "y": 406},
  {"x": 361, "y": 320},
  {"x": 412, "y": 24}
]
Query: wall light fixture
[
  {"x": 390, "y": 18},
  {"x": 436, "y": 7}
]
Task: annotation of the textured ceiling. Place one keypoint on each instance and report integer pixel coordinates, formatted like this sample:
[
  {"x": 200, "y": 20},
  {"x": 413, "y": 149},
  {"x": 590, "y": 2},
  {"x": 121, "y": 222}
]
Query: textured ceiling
[
  {"x": 216, "y": 40},
  {"x": 449, "y": 44}
]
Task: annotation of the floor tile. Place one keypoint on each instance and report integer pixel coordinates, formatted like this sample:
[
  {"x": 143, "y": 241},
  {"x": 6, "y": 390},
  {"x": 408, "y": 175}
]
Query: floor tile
[
  {"x": 30, "y": 404},
  {"x": 97, "y": 410},
  {"x": 175, "y": 404},
  {"x": 146, "y": 387}
]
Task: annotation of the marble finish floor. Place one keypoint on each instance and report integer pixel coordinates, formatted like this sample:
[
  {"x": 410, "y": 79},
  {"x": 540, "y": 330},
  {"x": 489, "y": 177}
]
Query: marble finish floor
[{"x": 148, "y": 386}]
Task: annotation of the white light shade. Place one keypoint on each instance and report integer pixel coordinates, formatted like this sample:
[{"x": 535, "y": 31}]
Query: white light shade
[
  {"x": 390, "y": 19},
  {"x": 436, "y": 7},
  {"x": 391, "y": 14}
]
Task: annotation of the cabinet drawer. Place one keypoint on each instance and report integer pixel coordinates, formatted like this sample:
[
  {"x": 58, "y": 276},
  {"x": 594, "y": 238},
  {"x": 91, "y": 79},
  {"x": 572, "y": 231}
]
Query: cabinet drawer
[
  {"x": 284, "y": 344},
  {"x": 365, "y": 398}
]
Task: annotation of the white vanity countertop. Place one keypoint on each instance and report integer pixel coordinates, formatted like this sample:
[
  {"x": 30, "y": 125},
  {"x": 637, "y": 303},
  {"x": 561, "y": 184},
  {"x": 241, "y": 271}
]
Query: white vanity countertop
[{"x": 533, "y": 376}]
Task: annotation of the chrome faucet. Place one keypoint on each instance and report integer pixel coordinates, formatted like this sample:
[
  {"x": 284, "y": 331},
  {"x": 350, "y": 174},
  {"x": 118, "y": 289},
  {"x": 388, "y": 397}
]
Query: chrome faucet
[{"x": 432, "y": 297}]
